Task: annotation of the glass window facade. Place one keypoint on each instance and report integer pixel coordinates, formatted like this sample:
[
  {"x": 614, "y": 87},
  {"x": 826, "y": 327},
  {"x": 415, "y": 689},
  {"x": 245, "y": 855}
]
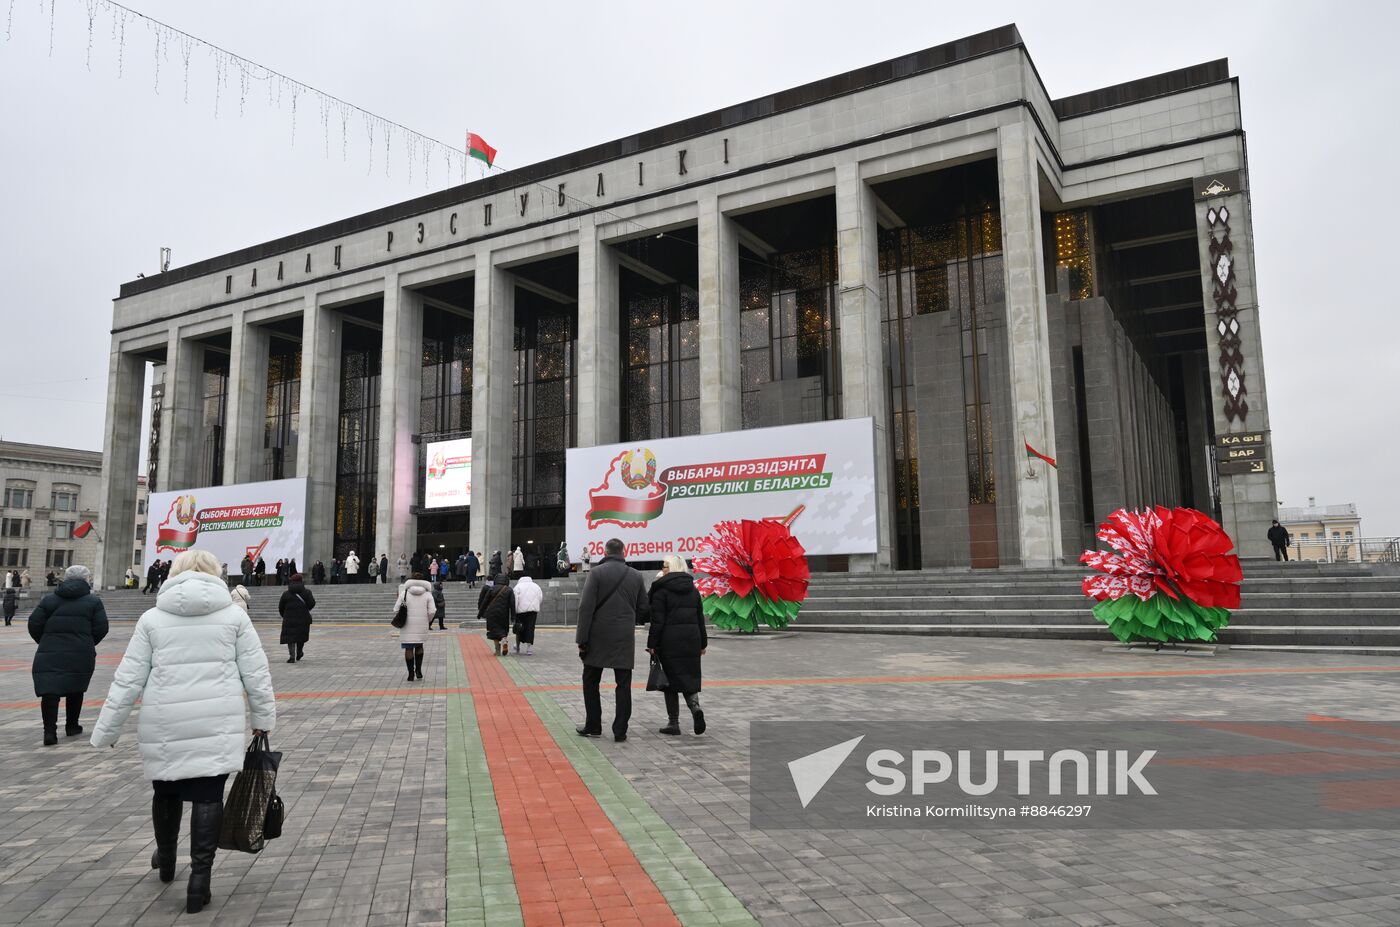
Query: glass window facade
[
  {"x": 445, "y": 411},
  {"x": 1074, "y": 249},
  {"x": 949, "y": 262},
  {"x": 64, "y": 499},
  {"x": 788, "y": 327},
  {"x": 546, "y": 399},
  {"x": 357, "y": 448},
  {"x": 282, "y": 414},
  {"x": 660, "y": 359},
  {"x": 19, "y": 495},
  {"x": 212, "y": 417}
]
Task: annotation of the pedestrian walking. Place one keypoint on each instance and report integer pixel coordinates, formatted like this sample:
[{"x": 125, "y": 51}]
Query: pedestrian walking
[
  {"x": 439, "y": 607},
  {"x": 24, "y": 579},
  {"x": 528, "y": 599},
  {"x": 11, "y": 603},
  {"x": 613, "y": 603},
  {"x": 260, "y": 571},
  {"x": 417, "y": 596},
  {"x": 472, "y": 569},
  {"x": 67, "y": 624},
  {"x": 335, "y": 570},
  {"x": 352, "y": 568},
  {"x": 318, "y": 573},
  {"x": 295, "y": 608},
  {"x": 517, "y": 563},
  {"x": 433, "y": 570},
  {"x": 371, "y": 570},
  {"x": 246, "y": 568},
  {"x": 384, "y": 569},
  {"x": 152, "y": 578},
  {"x": 677, "y": 640},
  {"x": 1280, "y": 539},
  {"x": 586, "y": 560},
  {"x": 402, "y": 569},
  {"x": 497, "y": 609},
  {"x": 562, "y": 563},
  {"x": 195, "y": 648},
  {"x": 459, "y": 567},
  {"x": 242, "y": 598}
]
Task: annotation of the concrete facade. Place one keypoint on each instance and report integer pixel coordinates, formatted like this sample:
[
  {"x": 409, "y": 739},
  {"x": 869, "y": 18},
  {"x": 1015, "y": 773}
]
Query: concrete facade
[
  {"x": 49, "y": 491},
  {"x": 847, "y": 139}
]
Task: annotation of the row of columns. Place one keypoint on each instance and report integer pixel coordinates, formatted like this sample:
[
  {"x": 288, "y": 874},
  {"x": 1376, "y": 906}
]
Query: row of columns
[{"x": 865, "y": 389}]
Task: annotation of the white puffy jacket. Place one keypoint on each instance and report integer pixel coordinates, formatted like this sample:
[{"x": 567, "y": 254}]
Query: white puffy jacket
[
  {"x": 417, "y": 594},
  {"x": 191, "y": 660},
  {"x": 528, "y": 595}
]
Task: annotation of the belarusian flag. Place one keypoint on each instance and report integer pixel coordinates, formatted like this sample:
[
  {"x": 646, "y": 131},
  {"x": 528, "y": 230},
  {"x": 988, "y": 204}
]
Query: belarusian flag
[
  {"x": 1032, "y": 454},
  {"x": 82, "y": 530},
  {"x": 477, "y": 148}
]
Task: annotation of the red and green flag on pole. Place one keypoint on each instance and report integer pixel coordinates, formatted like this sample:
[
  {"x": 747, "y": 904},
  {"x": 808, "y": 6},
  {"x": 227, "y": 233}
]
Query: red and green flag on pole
[
  {"x": 1033, "y": 454},
  {"x": 81, "y": 531},
  {"x": 477, "y": 148}
]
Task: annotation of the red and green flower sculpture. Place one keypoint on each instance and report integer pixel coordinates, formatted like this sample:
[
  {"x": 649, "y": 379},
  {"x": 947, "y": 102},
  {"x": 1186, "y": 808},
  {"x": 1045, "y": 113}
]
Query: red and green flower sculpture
[
  {"x": 1170, "y": 576},
  {"x": 753, "y": 571}
]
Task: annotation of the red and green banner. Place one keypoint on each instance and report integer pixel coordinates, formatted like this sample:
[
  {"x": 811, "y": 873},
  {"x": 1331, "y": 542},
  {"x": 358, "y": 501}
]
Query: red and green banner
[
  {"x": 477, "y": 148},
  {"x": 82, "y": 530}
]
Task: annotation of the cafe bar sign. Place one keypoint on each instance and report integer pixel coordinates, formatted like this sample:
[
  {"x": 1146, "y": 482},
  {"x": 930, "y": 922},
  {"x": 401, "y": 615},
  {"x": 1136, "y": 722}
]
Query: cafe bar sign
[{"x": 1242, "y": 452}]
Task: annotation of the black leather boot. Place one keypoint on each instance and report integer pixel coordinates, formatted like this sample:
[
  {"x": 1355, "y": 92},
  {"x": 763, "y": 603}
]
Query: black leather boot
[
  {"x": 206, "y": 819},
  {"x": 165, "y": 821},
  {"x": 692, "y": 702},
  {"x": 418, "y": 663}
]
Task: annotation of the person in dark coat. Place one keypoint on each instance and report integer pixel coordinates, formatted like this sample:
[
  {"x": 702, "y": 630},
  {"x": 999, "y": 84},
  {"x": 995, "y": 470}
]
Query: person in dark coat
[
  {"x": 67, "y": 624},
  {"x": 260, "y": 570},
  {"x": 383, "y": 569},
  {"x": 473, "y": 567},
  {"x": 498, "y": 610},
  {"x": 613, "y": 603},
  {"x": 318, "y": 573},
  {"x": 677, "y": 640},
  {"x": 295, "y": 608},
  {"x": 439, "y": 606},
  {"x": 246, "y": 568},
  {"x": 497, "y": 565},
  {"x": 11, "y": 603},
  {"x": 1280, "y": 539}
]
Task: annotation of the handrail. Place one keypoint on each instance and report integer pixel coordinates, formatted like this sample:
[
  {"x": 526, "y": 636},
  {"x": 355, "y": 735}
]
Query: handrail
[{"x": 1346, "y": 550}]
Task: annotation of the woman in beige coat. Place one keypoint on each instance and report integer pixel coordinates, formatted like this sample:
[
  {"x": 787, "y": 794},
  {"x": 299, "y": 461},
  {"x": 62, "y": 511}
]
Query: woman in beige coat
[{"x": 417, "y": 595}]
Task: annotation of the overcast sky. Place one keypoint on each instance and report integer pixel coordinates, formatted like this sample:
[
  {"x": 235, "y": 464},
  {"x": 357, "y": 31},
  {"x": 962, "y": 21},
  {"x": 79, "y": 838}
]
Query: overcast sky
[{"x": 97, "y": 173}]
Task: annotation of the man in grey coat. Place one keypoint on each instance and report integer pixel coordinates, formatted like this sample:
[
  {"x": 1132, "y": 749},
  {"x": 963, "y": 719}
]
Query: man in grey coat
[{"x": 613, "y": 603}]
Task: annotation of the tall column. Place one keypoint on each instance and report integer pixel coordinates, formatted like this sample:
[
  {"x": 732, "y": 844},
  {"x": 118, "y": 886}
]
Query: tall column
[
  {"x": 180, "y": 415},
  {"x": 599, "y": 376},
  {"x": 1248, "y": 501},
  {"x": 400, "y": 387},
  {"x": 1197, "y": 432},
  {"x": 721, "y": 407},
  {"x": 121, "y": 454},
  {"x": 1028, "y": 344},
  {"x": 493, "y": 392},
  {"x": 320, "y": 414},
  {"x": 863, "y": 385},
  {"x": 247, "y": 402}
]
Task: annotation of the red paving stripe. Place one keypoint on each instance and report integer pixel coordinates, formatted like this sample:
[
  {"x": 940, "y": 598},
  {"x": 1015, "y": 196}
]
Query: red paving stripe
[
  {"x": 1011, "y": 677},
  {"x": 571, "y": 865}
]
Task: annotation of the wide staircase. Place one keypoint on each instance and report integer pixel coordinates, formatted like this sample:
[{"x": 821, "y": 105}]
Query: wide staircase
[
  {"x": 1351, "y": 606},
  {"x": 1356, "y": 606}
]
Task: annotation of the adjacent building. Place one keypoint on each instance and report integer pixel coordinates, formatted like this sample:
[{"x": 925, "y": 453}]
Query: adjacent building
[
  {"x": 49, "y": 491},
  {"x": 1328, "y": 533},
  {"x": 936, "y": 242}
]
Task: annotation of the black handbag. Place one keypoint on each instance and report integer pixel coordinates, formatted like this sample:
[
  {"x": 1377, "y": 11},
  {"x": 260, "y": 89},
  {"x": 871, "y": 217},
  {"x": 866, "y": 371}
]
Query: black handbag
[
  {"x": 656, "y": 677},
  {"x": 400, "y": 617},
  {"x": 251, "y": 800},
  {"x": 272, "y": 824}
]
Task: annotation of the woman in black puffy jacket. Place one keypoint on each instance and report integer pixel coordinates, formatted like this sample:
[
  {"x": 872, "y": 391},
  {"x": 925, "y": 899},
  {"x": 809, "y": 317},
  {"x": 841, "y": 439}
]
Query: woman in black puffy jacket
[{"x": 678, "y": 640}]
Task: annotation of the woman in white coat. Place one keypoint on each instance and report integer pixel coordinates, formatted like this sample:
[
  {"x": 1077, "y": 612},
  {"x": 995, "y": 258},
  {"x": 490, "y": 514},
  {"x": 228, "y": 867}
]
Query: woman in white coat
[
  {"x": 528, "y": 599},
  {"x": 352, "y": 568},
  {"x": 517, "y": 563},
  {"x": 417, "y": 595},
  {"x": 191, "y": 660}
]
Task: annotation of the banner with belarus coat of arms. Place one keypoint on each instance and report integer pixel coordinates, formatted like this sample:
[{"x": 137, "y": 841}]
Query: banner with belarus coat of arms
[
  {"x": 266, "y": 520},
  {"x": 666, "y": 496}
]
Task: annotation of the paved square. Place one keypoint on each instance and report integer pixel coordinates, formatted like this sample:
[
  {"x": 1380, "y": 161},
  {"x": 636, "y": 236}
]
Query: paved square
[{"x": 467, "y": 799}]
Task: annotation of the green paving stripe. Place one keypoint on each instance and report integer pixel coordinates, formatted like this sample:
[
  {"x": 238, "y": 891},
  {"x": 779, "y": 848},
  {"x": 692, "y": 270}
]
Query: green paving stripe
[
  {"x": 480, "y": 886},
  {"x": 695, "y": 893}
]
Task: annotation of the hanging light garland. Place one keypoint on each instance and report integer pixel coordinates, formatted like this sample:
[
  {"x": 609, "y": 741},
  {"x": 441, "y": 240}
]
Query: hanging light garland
[{"x": 283, "y": 92}]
